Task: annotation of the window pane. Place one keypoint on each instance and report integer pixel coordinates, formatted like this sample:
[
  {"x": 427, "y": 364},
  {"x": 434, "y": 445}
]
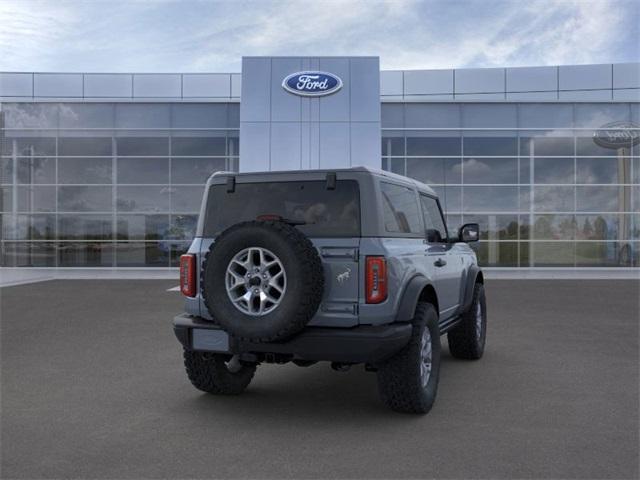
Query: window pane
[
  {"x": 29, "y": 146},
  {"x": 184, "y": 226},
  {"x": 198, "y": 146},
  {"x": 37, "y": 199},
  {"x": 495, "y": 227},
  {"x": 85, "y": 227},
  {"x": 490, "y": 199},
  {"x": 602, "y": 199},
  {"x": 546, "y": 146},
  {"x": 490, "y": 146},
  {"x": 598, "y": 114},
  {"x": 195, "y": 170},
  {"x": 552, "y": 254},
  {"x": 586, "y": 146},
  {"x": 141, "y": 255},
  {"x": 545, "y": 115},
  {"x": 186, "y": 199},
  {"x": 603, "y": 170},
  {"x": 400, "y": 209},
  {"x": 86, "y": 115},
  {"x": 450, "y": 198},
  {"x": 200, "y": 115},
  {"x": 420, "y": 115},
  {"x": 84, "y": 170},
  {"x": 604, "y": 227},
  {"x": 397, "y": 165},
  {"x": 496, "y": 254},
  {"x": 6, "y": 170},
  {"x": 143, "y": 199},
  {"x": 36, "y": 170},
  {"x": 553, "y": 199},
  {"x": 28, "y": 227},
  {"x": 435, "y": 170},
  {"x": 84, "y": 199},
  {"x": 433, "y": 221},
  {"x": 433, "y": 146},
  {"x": 143, "y": 116},
  {"x": 29, "y": 254},
  {"x": 489, "y": 115},
  {"x": 84, "y": 146},
  {"x": 490, "y": 170},
  {"x": 606, "y": 254},
  {"x": 30, "y": 115},
  {"x": 142, "y": 146},
  {"x": 143, "y": 170},
  {"x": 554, "y": 227},
  {"x": 6, "y": 199},
  {"x": 553, "y": 170},
  {"x": 143, "y": 227},
  {"x": 392, "y": 145},
  {"x": 86, "y": 254}
]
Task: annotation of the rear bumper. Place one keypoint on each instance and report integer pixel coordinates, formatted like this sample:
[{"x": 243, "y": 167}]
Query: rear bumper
[{"x": 361, "y": 344}]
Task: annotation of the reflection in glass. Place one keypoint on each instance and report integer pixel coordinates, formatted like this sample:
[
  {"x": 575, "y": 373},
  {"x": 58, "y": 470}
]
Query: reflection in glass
[
  {"x": 490, "y": 170},
  {"x": 84, "y": 227},
  {"x": 186, "y": 199},
  {"x": 552, "y": 254},
  {"x": 603, "y": 199},
  {"x": 36, "y": 170},
  {"x": 198, "y": 146},
  {"x": 603, "y": 170},
  {"x": 36, "y": 254},
  {"x": 84, "y": 199},
  {"x": 393, "y": 146},
  {"x": 554, "y": 227},
  {"x": 84, "y": 146},
  {"x": 195, "y": 170},
  {"x": 490, "y": 199},
  {"x": 494, "y": 254},
  {"x": 85, "y": 170},
  {"x": 553, "y": 170},
  {"x": 142, "y": 146},
  {"x": 85, "y": 254},
  {"x": 490, "y": 146},
  {"x": 143, "y": 199},
  {"x": 435, "y": 170},
  {"x": 603, "y": 227},
  {"x": 141, "y": 255},
  {"x": 143, "y": 227},
  {"x": 28, "y": 146},
  {"x": 143, "y": 170},
  {"x": 432, "y": 146},
  {"x": 495, "y": 227},
  {"x": 606, "y": 254},
  {"x": 546, "y": 146},
  {"x": 450, "y": 198},
  {"x": 553, "y": 199},
  {"x": 37, "y": 199}
]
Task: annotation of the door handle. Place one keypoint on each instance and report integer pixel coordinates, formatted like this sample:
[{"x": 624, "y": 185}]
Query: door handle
[{"x": 440, "y": 263}]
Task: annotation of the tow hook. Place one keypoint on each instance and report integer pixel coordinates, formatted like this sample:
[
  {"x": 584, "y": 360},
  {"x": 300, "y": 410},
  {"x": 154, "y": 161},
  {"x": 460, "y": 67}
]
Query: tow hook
[
  {"x": 234, "y": 365},
  {"x": 340, "y": 367}
]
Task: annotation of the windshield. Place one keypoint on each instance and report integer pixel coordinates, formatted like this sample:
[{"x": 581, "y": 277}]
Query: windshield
[{"x": 316, "y": 210}]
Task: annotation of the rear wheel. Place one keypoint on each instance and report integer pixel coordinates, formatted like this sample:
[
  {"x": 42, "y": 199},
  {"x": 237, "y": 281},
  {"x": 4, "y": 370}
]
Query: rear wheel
[
  {"x": 210, "y": 373},
  {"x": 408, "y": 382},
  {"x": 467, "y": 339}
]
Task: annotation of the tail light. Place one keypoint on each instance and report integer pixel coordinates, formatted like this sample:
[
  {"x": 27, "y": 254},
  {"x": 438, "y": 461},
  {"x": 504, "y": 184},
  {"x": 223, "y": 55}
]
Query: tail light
[
  {"x": 188, "y": 275},
  {"x": 376, "y": 280}
]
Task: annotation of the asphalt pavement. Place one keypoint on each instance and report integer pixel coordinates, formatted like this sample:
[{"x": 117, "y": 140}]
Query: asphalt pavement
[{"x": 92, "y": 386}]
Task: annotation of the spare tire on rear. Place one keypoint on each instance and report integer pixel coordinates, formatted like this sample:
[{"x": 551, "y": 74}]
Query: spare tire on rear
[{"x": 262, "y": 281}]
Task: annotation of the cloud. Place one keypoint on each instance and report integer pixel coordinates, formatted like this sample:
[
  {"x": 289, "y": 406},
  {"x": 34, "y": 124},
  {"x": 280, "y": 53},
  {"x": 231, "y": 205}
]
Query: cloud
[{"x": 169, "y": 36}]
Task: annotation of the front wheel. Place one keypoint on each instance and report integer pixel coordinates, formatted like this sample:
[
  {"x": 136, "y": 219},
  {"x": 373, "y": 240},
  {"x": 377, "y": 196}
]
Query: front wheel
[
  {"x": 209, "y": 372},
  {"x": 408, "y": 381},
  {"x": 467, "y": 339}
]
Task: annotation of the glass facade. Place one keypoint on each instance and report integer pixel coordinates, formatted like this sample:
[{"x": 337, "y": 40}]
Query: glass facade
[
  {"x": 119, "y": 184},
  {"x": 108, "y": 184},
  {"x": 543, "y": 191}
]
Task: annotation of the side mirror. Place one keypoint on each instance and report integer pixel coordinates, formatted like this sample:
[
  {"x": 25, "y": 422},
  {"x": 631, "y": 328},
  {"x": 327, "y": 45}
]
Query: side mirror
[{"x": 469, "y": 232}]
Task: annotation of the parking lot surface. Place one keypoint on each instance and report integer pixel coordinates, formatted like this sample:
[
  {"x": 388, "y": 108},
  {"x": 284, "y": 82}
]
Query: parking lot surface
[{"x": 92, "y": 386}]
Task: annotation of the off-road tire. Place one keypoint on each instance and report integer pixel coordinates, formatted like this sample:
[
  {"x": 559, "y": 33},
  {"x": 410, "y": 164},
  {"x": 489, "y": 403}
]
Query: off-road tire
[
  {"x": 304, "y": 272},
  {"x": 209, "y": 373},
  {"x": 399, "y": 380},
  {"x": 464, "y": 341}
]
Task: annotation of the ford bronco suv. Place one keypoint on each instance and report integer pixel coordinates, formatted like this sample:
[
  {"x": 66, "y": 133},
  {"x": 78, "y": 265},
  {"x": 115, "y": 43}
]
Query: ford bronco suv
[{"x": 351, "y": 266}]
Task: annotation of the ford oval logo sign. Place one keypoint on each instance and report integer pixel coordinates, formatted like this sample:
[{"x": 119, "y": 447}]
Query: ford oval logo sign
[
  {"x": 312, "y": 84},
  {"x": 617, "y": 135}
]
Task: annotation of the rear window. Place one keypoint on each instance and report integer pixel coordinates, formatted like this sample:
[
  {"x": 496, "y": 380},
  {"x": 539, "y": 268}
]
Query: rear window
[{"x": 325, "y": 213}]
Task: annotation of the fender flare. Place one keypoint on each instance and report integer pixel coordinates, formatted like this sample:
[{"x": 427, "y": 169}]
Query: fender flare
[
  {"x": 410, "y": 296},
  {"x": 472, "y": 276}
]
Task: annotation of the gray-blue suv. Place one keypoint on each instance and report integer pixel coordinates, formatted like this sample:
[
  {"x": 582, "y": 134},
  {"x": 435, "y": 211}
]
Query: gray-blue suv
[{"x": 348, "y": 266}]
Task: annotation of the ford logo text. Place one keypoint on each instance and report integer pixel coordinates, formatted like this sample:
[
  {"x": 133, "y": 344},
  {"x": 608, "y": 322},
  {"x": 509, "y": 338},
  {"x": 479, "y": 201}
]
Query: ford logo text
[
  {"x": 617, "y": 135},
  {"x": 312, "y": 84}
]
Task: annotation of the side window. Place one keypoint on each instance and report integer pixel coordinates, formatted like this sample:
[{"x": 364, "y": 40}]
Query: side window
[
  {"x": 434, "y": 223},
  {"x": 400, "y": 209}
]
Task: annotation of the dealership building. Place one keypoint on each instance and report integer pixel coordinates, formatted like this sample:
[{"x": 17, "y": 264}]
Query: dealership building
[{"x": 108, "y": 170}]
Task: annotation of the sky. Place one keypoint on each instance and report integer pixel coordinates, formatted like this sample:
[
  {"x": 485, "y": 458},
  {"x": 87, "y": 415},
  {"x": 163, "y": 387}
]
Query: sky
[{"x": 212, "y": 36}]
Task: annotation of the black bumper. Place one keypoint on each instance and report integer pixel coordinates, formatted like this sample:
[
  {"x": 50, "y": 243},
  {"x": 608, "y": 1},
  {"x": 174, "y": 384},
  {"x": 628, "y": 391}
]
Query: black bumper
[{"x": 362, "y": 344}]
